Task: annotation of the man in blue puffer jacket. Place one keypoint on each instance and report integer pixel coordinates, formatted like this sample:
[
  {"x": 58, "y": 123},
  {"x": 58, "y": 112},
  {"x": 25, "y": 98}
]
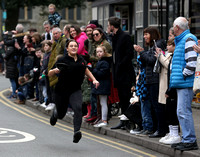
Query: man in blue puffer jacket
[{"x": 182, "y": 78}]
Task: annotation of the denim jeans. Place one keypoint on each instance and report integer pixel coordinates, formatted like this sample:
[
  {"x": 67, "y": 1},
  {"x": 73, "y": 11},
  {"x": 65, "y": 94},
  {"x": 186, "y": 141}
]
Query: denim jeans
[
  {"x": 14, "y": 86},
  {"x": 184, "y": 113},
  {"x": 147, "y": 122},
  {"x": 21, "y": 96},
  {"x": 93, "y": 104}
]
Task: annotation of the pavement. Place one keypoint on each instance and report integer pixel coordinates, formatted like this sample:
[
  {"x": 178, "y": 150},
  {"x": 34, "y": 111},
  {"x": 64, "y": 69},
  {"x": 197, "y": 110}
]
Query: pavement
[{"x": 146, "y": 142}]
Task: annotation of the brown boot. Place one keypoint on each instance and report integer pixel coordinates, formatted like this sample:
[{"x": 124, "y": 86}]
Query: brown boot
[{"x": 20, "y": 102}]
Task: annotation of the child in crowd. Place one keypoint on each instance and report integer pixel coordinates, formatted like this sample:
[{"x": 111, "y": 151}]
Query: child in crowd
[
  {"x": 46, "y": 46},
  {"x": 102, "y": 74},
  {"x": 170, "y": 95},
  {"x": 54, "y": 18},
  {"x": 36, "y": 71},
  {"x": 22, "y": 90}
]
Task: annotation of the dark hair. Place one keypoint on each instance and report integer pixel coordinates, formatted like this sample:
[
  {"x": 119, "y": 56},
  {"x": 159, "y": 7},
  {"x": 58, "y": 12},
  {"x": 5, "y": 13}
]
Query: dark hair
[
  {"x": 46, "y": 42},
  {"x": 115, "y": 21},
  {"x": 37, "y": 37},
  {"x": 101, "y": 32},
  {"x": 29, "y": 37},
  {"x": 21, "y": 79},
  {"x": 154, "y": 35},
  {"x": 38, "y": 49},
  {"x": 71, "y": 40},
  {"x": 77, "y": 29}
]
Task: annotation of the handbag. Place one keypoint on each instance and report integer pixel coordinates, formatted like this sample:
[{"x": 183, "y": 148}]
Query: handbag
[
  {"x": 157, "y": 66},
  {"x": 196, "y": 85}
]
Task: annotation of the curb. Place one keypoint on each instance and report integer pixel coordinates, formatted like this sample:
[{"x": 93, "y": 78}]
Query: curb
[{"x": 146, "y": 142}]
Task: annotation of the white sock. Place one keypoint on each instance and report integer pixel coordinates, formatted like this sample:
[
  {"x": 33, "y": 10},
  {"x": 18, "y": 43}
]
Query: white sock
[
  {"x": 170, "y": 130},
  {"x": 175, "y": 130}
]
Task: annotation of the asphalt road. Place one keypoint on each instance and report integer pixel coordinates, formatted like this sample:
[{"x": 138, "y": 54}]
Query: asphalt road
[{"x": 26, "y": 132}]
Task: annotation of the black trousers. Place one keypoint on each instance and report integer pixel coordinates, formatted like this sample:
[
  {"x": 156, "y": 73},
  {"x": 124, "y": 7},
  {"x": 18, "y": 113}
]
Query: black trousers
[
  {"x": 124, "y": 93},
  {"x": 75, "y": 100}
]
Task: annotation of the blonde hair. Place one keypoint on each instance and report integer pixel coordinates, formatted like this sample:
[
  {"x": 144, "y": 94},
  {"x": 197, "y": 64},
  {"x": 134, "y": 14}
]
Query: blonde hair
[
  {"x": 52, "y": 6},
  {"x": 106, "y": 54}
]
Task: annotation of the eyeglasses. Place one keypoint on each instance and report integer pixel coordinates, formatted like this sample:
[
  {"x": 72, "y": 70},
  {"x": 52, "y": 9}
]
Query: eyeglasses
[{"x": 97, "y": 34}]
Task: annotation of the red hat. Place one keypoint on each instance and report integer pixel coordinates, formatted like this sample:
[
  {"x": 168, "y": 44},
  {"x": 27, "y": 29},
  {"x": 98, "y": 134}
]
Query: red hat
[{"x": 93, "y": 26}]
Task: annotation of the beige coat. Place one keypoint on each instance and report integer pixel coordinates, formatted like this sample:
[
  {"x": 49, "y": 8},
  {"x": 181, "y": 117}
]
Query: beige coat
[{"x": 163, "y": 79}]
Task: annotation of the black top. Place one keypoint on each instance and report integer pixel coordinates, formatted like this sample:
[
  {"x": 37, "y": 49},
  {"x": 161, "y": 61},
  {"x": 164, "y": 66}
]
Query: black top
[{"x": 71, "y": 74}]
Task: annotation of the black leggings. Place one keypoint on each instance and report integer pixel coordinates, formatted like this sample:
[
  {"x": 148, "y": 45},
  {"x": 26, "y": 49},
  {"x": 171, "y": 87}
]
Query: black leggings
[{"x": 75, "y": 100}]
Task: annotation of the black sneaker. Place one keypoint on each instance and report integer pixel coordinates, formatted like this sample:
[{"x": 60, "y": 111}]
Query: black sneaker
[
  {"x": 175, "y": 145},
  {"x": 187, "y": 146},
  {"x": 77, "y": 136}
]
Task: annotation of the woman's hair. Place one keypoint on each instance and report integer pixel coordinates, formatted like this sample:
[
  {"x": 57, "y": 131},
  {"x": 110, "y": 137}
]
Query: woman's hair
[
  {"x": 37, "y": 37},
  {"x": 154, "y": 35},
  {"x": 29, "y": 37},
  {"x": 71, "y": 40},
  {"x": 21, "y": 79},
  {"x": 46, "y": 42},
  {"x": 77, "y": 29},
  {"x": 105, "y": 50},
  {"x": 101, "y": 32},
  {"x": 171, "y": 42}
]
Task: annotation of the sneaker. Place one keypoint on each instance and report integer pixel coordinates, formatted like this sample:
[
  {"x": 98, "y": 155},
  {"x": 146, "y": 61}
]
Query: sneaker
[
  {"x": 187, "y": 146},
  {"x": 135, "y": 131},
  {"x": 77, "y": 136},
  {"x": 43, "y": 105},
  {"x": 145, "y": 133},
  {"x": 164, "y": 138},
  {"x": 172, "y": 140},
  {"x": 123, "y": 118},
  {"x": 50, "y": 106},
  {"x": 121, "y": 115},
  {"x": 100, "y": 125}
]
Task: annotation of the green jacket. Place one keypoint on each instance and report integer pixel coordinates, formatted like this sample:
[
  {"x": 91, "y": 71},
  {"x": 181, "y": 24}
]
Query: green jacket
[{"x": 57, "y": 49}]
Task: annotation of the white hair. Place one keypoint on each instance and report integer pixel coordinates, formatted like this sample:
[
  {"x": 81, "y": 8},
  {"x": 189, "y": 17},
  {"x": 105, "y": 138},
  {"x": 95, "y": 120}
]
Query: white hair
[
  {"x": 56, "y": 29},
  {"x": 19, "y": 28},
  {"x": 46, "y": 23},
  {"x": 182, "y": 22}
]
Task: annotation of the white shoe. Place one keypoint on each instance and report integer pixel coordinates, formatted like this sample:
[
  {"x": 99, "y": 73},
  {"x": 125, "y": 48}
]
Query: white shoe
[
  {"x": 172, "y": 140},
  {"x": 50, "y": 106},
  {"x": 164, "y": 138},
  {"x": 134, "y": 132},
  {"x": 100, "y": 125},
  {"x": 43, "y": 105},
  {"x": 121, "y": 115},
  {"x": 124, "y": 118}
]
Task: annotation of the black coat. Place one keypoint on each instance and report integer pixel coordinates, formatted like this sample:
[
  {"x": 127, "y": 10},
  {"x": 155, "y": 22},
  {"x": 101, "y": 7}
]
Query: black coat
[
  {"x": 122, "y": 68},
  {"x": 148, "y": 59},
  {"x": 102, "y": 73},
  {"x": 10, "y": 57}
]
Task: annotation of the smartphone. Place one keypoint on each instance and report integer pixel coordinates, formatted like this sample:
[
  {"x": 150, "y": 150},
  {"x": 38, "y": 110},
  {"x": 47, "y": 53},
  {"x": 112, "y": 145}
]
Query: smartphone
[{"x": 155, "y": 44}]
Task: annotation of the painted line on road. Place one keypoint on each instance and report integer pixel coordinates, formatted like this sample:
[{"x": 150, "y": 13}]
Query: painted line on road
[{"x": 63, "y": 127}]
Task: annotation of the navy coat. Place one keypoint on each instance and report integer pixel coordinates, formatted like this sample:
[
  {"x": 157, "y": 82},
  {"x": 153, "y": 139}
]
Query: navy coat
[{"x": 102, "y": 73}]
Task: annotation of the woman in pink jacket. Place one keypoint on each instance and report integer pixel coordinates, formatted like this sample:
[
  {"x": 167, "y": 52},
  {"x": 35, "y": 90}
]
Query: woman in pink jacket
[{"x": 80, "y": 37}]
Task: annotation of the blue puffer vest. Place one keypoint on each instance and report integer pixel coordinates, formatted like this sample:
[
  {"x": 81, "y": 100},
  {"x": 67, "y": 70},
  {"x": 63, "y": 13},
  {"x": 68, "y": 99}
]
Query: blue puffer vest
[{"x": 178, "y": 62}]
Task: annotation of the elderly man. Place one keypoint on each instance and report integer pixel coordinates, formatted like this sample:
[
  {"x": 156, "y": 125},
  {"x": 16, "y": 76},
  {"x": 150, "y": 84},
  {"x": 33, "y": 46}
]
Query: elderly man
[
  {"x": 48, "y": 34},
  {"x": 58, "y": 48},
  {"x": 182, "y": 78}
]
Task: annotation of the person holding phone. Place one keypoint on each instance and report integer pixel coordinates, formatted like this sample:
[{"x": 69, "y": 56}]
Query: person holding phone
[
  {"x": 148, "y": 59},
  {"x": 70, "y": 71}
]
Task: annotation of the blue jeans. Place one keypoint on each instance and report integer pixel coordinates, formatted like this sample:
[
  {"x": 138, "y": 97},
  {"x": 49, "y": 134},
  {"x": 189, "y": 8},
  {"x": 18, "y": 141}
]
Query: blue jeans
[
  {"x": 147, "y": 121},
  {"x": 21, "y": 96},
  {"x": 184, "y": 113},
  {"x": 13, "y": 85}
]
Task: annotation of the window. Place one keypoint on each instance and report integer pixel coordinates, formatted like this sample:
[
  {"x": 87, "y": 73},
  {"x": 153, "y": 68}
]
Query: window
[
  {"x": 139, "y": 13},
  {"x": 71, "y": 13},
  {"x": 25, "y": 13},
  {"x": 78, "y": 13}
]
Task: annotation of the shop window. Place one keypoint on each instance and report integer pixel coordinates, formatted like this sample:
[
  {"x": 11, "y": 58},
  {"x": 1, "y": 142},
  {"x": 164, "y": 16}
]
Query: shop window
[{"x": 122, "y": 11}]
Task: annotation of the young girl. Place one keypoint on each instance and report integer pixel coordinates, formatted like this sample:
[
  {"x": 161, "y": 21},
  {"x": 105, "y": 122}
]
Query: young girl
[
  {"x": 70, "y": 70},
  {"x": 102, "y": 73}
]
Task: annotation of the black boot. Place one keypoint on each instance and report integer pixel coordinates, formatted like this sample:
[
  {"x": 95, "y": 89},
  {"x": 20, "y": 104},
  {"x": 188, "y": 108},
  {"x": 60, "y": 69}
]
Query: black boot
[
  {"x": 121, "y": 124},
  {"x": 53, "y": 118}
]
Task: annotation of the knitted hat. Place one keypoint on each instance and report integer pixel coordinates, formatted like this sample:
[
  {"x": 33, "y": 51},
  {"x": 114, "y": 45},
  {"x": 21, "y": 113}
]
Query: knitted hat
[{"x": 93, "y": 26}]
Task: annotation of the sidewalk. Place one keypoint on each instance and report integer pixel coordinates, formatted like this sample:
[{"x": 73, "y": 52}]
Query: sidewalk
[{"x": 146, "y": 142}]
